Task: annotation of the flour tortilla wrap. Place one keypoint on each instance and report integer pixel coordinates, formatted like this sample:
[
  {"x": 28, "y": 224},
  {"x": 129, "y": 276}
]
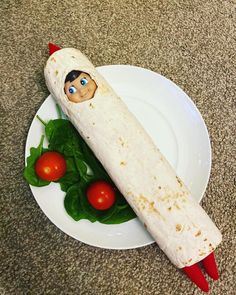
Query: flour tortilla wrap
[{"x": 160, "y": 199}]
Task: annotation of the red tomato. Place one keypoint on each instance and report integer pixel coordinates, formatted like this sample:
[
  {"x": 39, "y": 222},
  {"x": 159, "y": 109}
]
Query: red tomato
[
  {"x": 101, "y": 195},
  {"x": 50, "y": 166}
]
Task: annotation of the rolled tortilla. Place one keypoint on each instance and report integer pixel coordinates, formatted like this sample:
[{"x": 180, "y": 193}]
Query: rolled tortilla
[{"x": 160, "y": 199}]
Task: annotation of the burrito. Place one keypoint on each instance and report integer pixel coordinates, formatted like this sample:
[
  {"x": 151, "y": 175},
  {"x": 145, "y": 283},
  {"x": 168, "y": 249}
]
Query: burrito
[{"x": 161, "y": 200}]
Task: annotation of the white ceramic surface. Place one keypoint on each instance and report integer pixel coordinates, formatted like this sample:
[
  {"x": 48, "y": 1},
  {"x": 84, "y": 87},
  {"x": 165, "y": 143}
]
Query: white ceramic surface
[{"x": 177, "y": 128}]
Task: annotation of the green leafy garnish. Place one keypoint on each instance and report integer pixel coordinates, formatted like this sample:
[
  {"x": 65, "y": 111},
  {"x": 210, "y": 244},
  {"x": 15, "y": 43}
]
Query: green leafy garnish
[
  {"x": 29, "y": 171},
  {"x": 72, "y": 175},
  {"x": 78, "y": 207},
  {"x": 83, "y": 168},
  {"x": 63, "y": 137}
]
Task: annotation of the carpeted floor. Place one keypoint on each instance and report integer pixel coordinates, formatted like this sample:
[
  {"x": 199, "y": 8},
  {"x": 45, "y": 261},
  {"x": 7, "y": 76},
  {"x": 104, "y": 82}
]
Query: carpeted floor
[{"x": 190, "y": 42}]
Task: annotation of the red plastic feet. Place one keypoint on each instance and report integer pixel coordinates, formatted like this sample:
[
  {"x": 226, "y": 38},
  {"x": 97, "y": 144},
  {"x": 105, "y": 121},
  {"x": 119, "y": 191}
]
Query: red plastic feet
[
  {"x": 52, "y": 48},
  {"x": 196, "y": 276},
  {"x": 210, "y": 266}
]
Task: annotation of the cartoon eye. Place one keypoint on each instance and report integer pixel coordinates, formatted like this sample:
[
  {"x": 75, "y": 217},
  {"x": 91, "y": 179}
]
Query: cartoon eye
[
  {"x": 83, "y": 81},
  {"x": 72, "y": 89}
]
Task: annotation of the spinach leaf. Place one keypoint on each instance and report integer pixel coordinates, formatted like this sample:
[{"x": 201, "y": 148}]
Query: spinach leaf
[
  {"x": 122, "y": 213},
  {"x": 72, "y": 175},
  {"x": 93, "y": 213},
  {"x": 93, "y": 162},
  {"x": 29, "y": 171},
  {"x": 72, "y": 203},
  {"x": 78, "y": 207},
  {"x": 81, "y": 165},
  {"x": 51, "y": 126},
  {"x": 63, "y": 137},
  {"x": 121, "y": 216},
  {"x": 120, "y": 200}
]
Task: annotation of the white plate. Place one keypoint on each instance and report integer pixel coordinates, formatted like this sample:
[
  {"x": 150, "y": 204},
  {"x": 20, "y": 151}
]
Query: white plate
[{"x": 174, "y": 123}]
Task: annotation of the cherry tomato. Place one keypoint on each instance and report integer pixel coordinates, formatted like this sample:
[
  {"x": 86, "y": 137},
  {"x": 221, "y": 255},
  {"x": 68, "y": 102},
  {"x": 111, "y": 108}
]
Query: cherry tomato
[
  {"x": 101, "y": 195},
  {"x": 51, "y": 166}
]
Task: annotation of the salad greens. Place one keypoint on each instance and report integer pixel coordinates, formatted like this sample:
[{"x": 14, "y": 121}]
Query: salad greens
[
  {"x": 29, "y": 171},
  {"x": 83, "y": 168}
]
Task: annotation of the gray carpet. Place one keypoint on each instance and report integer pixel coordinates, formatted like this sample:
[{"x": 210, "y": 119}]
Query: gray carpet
[{"x": 190, "y": 42}]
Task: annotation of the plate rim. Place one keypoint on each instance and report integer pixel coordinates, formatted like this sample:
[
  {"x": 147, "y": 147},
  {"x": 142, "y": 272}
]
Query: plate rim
[{"x": 133, "y": 67}]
